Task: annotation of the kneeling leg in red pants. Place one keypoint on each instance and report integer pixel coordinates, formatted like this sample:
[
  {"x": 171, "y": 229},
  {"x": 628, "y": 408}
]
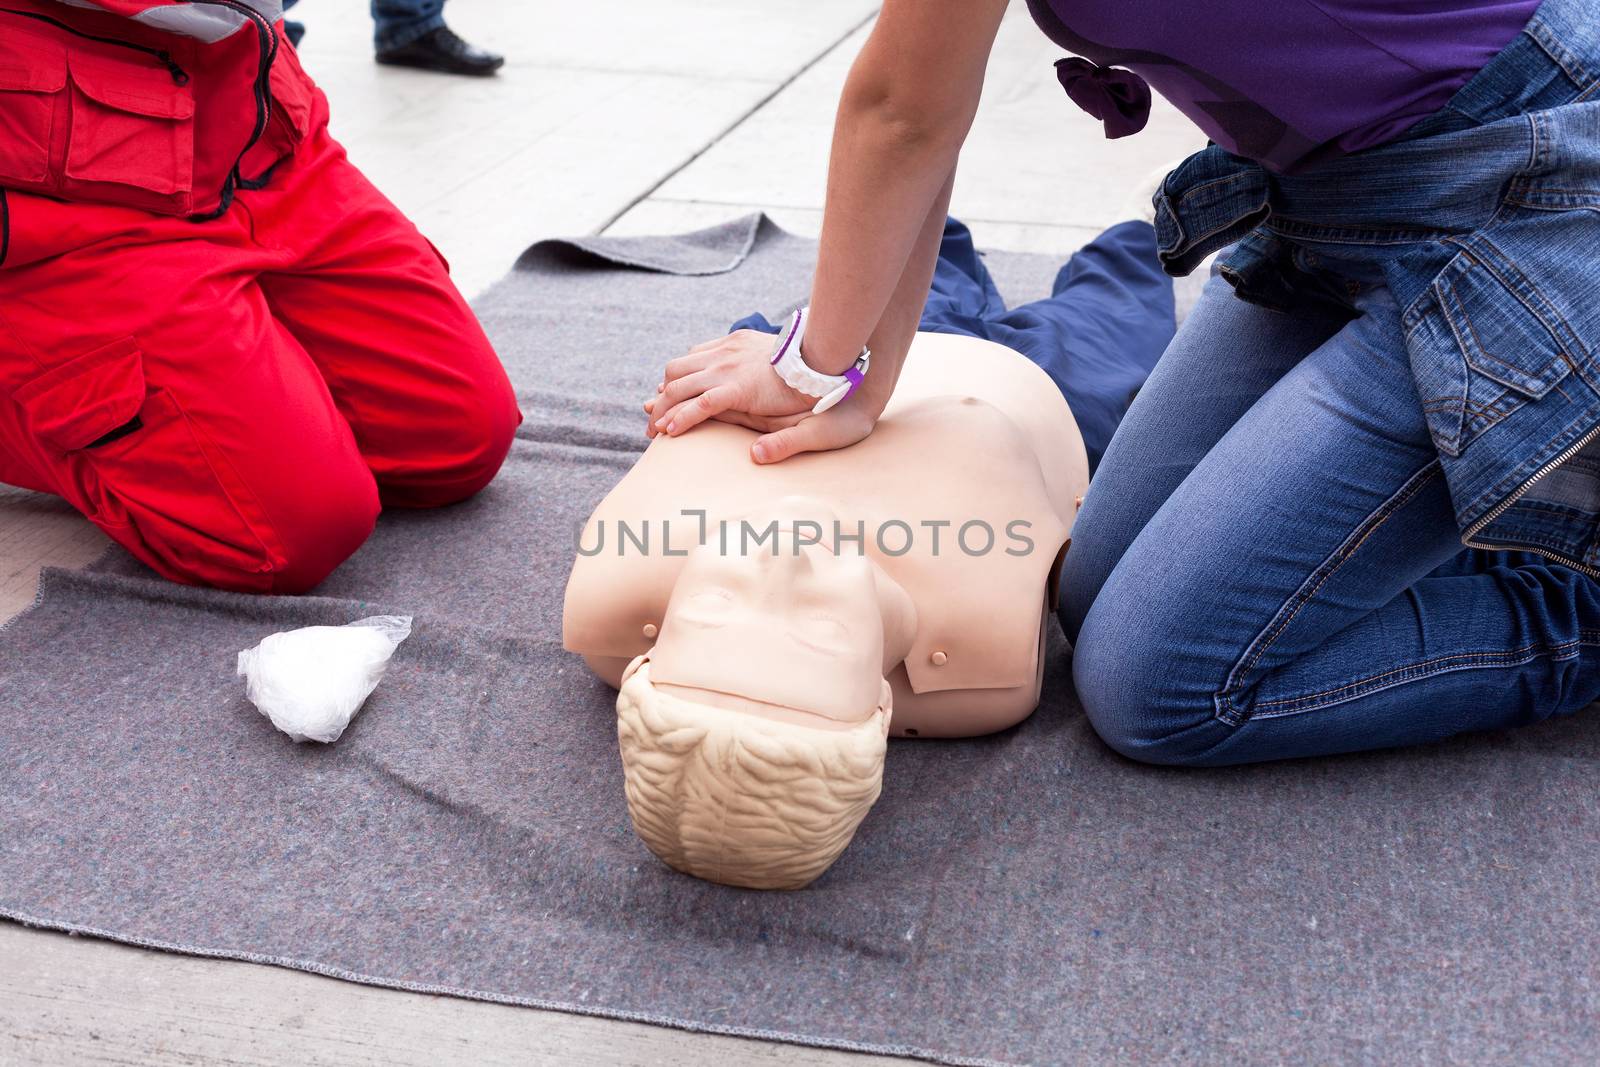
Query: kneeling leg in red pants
[{"x": 232, "y": 401}]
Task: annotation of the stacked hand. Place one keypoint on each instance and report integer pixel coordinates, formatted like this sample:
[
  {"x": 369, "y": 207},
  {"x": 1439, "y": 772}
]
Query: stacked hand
[{"x": 732, "y": 380}]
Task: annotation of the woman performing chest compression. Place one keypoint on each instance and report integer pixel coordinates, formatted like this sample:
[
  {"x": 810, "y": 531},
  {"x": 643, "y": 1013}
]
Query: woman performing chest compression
[{"x": 1355, "y": 504}]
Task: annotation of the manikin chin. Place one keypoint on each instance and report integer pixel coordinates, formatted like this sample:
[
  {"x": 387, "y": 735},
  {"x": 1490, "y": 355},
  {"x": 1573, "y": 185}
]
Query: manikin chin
[{"x": 897, "y": 587}]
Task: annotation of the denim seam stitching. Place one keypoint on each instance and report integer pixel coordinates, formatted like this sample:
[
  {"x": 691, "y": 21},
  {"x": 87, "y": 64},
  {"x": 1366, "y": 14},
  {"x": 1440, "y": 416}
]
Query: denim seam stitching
[
  {"x": 1488, "y": 413},
  {"x": 1451, "y": 403},
  {"x": 1188, "y": 245},
  {"x": 1483, "y": 349},
  {"x": 1515, "y": 657},
  {"x": 1516, "y": 178},
  {"x": 1466, "y": 661},
  {"x": 1561, "y": 189},
  {"x": 1292, "y": 222},
  {"x": 1523, "y": 200},
  {"x": 1506, "y": 655},
  {"x": 1553, "y": 509},
  {"x": 1412, "y": 317},
  {"x": 1294, "y": 229},
  {"x": 1539, "y": 151},
  {"x": 1551, "y": 45},
  {"x": 1226, "y": 709},
  {"x": 1194, "y": 190},
  {"x": 1523, "y": 289}
]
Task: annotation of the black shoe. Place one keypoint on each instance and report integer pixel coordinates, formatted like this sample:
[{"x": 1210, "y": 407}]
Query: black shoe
[{"x": 442, "y": 51}]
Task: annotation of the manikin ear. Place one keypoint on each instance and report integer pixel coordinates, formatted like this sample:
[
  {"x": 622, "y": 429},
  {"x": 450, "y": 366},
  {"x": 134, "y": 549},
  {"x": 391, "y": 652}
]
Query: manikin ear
[
  {"x": 886, "y": 705},
  {"x": 899, "y": 619},
  {"x": 633, "y": 667}
]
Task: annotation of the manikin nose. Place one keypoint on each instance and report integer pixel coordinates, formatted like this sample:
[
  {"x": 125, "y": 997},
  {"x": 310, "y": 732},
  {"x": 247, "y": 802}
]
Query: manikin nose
[{"x": 783, "y": 570}]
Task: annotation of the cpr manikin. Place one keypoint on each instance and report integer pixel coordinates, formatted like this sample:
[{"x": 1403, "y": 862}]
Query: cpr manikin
[{"x": 769, "y": 626}]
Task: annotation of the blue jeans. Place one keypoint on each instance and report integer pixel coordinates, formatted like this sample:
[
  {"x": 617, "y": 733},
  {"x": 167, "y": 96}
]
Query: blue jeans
[
  {"x": 1267, "y": 564},
  {"x": 396, "y": 23}
]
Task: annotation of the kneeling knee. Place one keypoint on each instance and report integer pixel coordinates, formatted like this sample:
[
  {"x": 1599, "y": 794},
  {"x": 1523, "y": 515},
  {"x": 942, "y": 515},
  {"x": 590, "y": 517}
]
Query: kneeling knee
[
  {"x": 489, "y": 436},
  {"x": 1135, "y": 704},
  {"x": 324, "y": 532},
  {"x": 464, "y": 450}
]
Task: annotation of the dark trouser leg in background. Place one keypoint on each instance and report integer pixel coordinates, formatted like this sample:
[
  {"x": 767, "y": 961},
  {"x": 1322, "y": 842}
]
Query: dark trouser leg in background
[
  {"x": 396, "y": 23},
  {"x": 412, "y": 33}
]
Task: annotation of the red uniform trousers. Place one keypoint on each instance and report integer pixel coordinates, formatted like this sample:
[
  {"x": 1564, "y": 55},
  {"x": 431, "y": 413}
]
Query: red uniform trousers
[{"x": 232, "y": 400}]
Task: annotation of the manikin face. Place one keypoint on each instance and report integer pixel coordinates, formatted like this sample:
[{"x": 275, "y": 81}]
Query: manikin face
[
  {"x": 798, "y": 631},
  {"x": 753, "y": 734}
]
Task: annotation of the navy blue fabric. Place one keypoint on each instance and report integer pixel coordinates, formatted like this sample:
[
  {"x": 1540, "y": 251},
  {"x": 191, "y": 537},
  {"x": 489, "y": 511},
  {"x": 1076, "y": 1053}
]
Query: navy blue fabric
[
  {"x": 296, "y": 31},
  {"x": 1108, "y": 319}
]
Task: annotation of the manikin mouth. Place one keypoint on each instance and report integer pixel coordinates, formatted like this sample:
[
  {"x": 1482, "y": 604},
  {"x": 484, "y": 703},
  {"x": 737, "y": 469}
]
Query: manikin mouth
[{"x": 761, "y": 709}]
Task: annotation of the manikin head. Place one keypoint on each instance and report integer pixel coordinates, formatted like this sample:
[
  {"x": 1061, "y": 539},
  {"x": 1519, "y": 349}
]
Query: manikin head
[{"x": 753, "y": 733}]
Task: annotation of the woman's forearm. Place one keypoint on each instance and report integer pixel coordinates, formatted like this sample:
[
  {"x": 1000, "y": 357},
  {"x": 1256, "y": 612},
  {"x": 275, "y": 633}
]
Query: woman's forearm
[
  {"x": 881, "y": 190},
  {"x": 897, "y": 325},
  {"x": 903, "y": 116}
]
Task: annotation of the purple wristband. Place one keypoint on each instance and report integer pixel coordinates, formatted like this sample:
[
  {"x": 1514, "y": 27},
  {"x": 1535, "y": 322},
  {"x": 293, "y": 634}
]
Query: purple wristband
[{"x": 789, "y": 335}]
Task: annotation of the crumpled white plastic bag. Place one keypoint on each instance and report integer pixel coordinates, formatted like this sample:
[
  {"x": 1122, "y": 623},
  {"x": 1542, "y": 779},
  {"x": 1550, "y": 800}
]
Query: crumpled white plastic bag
[{"x": 311, "y": 682}]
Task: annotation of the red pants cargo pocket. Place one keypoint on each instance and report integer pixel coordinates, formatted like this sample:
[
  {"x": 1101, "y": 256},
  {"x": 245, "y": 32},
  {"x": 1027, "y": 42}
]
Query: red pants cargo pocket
[
  {"x": 132, "y": 136},
  {"x": 131, "y": 459},
  {"x": 74, "y": 404},
  {"x": 33, "y": 81}
]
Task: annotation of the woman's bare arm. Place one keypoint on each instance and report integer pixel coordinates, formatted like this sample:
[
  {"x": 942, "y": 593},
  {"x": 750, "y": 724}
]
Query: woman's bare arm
[{"x": 904, "y": 113}]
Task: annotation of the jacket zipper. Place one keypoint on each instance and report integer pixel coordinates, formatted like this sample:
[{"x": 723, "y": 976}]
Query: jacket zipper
[
  {"x": 1500, "y": 508},
  {"x": 268, "y": 44},
  {"x": 179, "y": 75}
]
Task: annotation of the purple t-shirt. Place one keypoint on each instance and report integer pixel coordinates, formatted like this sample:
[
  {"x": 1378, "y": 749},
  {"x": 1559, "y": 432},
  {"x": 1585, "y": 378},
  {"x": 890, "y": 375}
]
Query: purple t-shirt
[{"x": 1286, "y": 82}]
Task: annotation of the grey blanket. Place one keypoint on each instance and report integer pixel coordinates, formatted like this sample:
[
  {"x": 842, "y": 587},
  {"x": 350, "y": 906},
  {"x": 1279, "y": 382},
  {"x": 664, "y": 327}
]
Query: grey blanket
[{"x": 1028, "y": 897}]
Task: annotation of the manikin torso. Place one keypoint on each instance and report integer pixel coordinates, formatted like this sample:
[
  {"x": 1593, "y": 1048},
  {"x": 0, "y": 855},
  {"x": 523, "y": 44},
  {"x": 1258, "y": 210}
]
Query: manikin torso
[{"x": 924, "y": 555}]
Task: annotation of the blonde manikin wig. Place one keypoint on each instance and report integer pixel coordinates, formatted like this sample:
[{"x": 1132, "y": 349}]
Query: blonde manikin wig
[{"x": 735, "y": 798}]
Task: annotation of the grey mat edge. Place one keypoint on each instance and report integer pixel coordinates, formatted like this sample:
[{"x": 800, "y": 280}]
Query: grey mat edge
[{"x": 312, "y": 967}]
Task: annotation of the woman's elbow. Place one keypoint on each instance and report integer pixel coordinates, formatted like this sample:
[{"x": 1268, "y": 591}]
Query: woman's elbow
[{"x": 904, "y": 116}]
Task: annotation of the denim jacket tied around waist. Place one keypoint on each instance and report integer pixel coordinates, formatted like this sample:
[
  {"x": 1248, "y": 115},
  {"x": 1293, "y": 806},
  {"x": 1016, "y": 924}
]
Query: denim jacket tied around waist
[{"x": 1484, "y": 223}]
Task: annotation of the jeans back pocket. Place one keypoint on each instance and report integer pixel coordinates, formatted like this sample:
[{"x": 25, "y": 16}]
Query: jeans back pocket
[{"x": 1483, "y": 341}]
